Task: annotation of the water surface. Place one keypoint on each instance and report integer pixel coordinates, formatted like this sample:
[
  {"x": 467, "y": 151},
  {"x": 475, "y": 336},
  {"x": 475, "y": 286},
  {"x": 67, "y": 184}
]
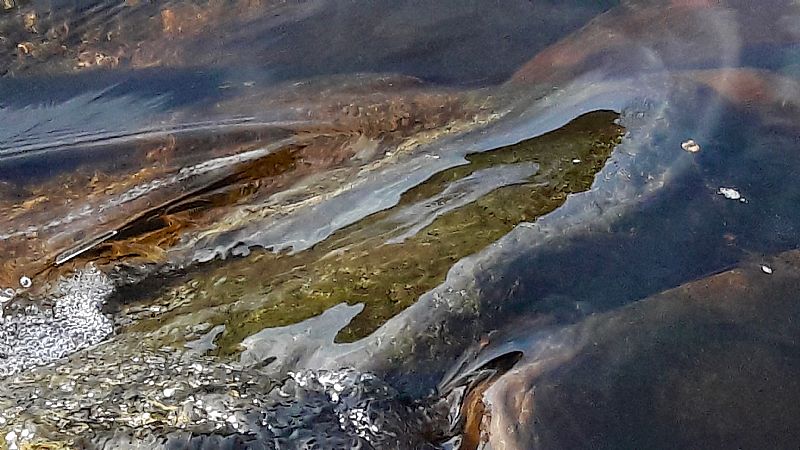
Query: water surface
[{"x": 324, "y": 224}]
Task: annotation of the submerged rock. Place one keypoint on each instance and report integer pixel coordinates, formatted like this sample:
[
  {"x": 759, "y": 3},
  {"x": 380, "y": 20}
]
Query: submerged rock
[{"x": 714, "y": 362}]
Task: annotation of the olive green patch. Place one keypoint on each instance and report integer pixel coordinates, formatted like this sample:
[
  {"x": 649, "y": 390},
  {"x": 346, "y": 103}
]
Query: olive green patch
[{"x": 357, "y": 265}]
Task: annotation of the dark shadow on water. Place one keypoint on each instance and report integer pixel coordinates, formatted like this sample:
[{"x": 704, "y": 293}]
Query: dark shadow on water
[
  {"x": 688, "y": 232},
  {"x": 177, "y": 87},
  {"x": 451, "y": 42}
]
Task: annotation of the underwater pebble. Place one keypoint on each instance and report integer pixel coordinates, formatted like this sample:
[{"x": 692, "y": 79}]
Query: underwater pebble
[
  {"x": 11, "y": 440},
  {"x": 168, "y": 392},
  {"x": 766, "y": 269},
  {"x": 690, "y": 146},
  {"x": 731, "y": 194}
]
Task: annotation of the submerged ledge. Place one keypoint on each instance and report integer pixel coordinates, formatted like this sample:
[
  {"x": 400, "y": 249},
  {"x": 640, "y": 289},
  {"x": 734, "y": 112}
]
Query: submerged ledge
[{"x": 365, "y": 264}]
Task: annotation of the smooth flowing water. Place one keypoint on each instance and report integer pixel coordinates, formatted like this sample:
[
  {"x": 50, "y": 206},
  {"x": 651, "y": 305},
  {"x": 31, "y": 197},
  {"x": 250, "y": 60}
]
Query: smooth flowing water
[{"x": 373, "y": 224}]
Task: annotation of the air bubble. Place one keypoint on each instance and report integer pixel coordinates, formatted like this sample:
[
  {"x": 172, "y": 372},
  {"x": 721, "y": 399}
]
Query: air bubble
[
  {"x": 7, "y": 295},
  {"x": 25, "y": 282}
]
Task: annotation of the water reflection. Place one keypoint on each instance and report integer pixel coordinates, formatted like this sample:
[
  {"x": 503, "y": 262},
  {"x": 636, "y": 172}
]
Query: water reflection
[{"x": 330, "y": 224}]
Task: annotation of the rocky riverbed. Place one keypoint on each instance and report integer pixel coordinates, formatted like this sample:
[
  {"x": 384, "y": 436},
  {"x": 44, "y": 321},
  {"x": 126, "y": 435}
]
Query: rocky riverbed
[{"x": 315, "y": 224}]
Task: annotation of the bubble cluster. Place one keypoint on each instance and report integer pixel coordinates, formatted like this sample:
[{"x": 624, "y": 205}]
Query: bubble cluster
[
  {"x": 343, "y": 406},
  {"x": 36, "y": 336},
  {"x": 116, "y": 396}
]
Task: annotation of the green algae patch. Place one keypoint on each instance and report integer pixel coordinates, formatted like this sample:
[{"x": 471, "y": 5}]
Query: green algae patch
[{"x": 362, "y": 263}]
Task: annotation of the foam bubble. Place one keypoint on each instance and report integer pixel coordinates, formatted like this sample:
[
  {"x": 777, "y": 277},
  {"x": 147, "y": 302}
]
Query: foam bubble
[{"x": 37, "y": 336}]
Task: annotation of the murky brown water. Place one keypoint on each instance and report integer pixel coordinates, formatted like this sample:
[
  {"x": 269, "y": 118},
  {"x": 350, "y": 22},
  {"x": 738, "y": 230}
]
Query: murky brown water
[{"x": 258, "y": 224}]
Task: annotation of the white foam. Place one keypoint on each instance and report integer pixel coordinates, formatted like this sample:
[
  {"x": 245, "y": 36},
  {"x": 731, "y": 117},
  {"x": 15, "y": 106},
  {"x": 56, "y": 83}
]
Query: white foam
[{"x": 37, "y": 336}]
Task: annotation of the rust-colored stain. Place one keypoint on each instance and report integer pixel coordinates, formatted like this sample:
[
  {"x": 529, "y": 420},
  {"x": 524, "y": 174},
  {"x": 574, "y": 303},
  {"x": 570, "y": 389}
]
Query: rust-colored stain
[{"x": 144, "y": 229}]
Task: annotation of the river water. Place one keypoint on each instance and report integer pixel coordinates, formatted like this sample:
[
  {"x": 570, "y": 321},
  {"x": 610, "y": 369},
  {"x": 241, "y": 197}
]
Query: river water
[{"x": 457, "y": 225}]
